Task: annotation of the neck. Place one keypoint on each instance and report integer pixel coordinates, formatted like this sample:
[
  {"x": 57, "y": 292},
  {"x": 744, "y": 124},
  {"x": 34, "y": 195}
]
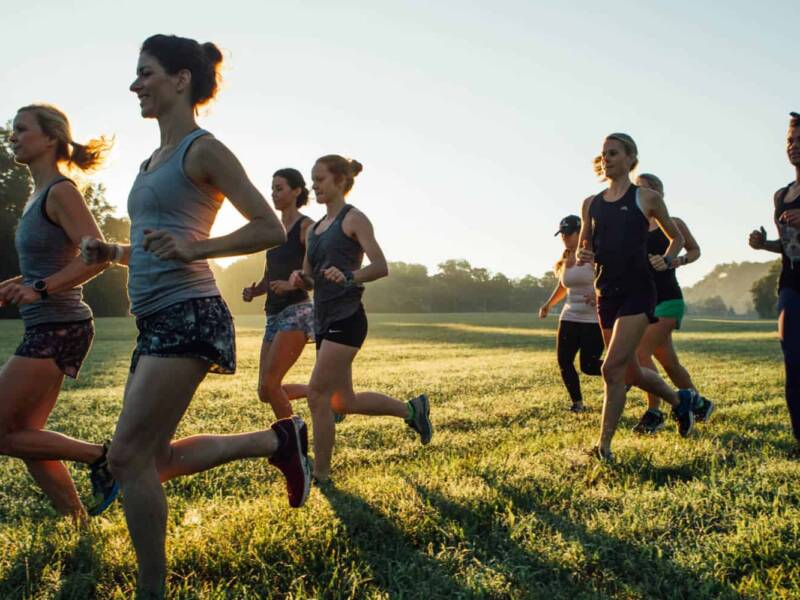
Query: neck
[
  {"x": 797, "y": 174},
  {"x": 618, "y": 186},
  {"x": 175, "y": 125},
  {"x": 334, "y": 206},
  {"x": 43, "y": 172},
  {"x": 289, "y": 215}
]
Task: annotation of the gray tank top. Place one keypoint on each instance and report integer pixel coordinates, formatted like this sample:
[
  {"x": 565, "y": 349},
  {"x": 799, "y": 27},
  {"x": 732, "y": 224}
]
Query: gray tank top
[
  {"x": 43, "y": 249},
  {"x": 165, "y": 198},
  {"x": 332, "y": 248}
]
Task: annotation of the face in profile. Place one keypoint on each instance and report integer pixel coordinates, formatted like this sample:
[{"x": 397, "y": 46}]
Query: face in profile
[
  {"x": 28, "y": 141},
  {"x": 614, "y": 160},
  {"x": 793, "y": 145},
  {"x": 570, "y": 240},
  {"x": 283, "y": 196},
  {"x": 325, "y": 186},
  {"x": 156, "y": 89}
]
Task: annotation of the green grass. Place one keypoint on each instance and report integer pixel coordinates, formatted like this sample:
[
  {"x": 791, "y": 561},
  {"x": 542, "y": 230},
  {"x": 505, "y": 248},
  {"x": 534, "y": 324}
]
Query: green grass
[{"x": 502, "y": 504}]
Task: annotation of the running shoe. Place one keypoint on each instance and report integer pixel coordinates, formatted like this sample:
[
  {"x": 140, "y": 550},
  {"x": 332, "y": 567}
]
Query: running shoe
[
  {"x": 291, "y": 458},
  {"x": 420, "y": 420},
  {"x": 105, "y": 488},
  {"x": 338, "y": 417},
  {"x": 577, "y": 407},
  {"x": 604, "y": 456},
  {"x": 703, "y": 409},
  {"x": 652, "y": 422},
  {"x": 683, "y": 412}
]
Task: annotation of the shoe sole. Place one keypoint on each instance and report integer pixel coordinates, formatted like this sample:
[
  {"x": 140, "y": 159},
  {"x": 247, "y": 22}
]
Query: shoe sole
[
  {"x": 305, "y": 463},
  {"x": 100, "y": 508},
  {"x": 426, "y": 405}
]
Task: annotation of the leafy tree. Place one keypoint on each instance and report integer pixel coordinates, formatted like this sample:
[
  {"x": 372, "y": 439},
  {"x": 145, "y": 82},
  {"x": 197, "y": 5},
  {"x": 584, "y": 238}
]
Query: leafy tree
[{"x": 764, "y": 292}]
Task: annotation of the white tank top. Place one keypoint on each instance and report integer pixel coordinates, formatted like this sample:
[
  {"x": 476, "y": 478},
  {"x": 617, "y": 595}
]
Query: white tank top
[{"x": 578, "y": 280}]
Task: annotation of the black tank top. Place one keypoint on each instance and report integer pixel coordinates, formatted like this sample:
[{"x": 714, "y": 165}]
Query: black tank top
[
  {"x": 790, "y": 245},
  {"x": 333, "y": 248},
  {"x": 667, "y": 287},
  {"x": 619, "y": 240},
  {"x": 281, "y": 261}
]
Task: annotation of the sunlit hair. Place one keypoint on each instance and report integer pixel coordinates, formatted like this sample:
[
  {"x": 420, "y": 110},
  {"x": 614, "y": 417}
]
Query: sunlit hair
[
  {"x": 203, "y": 61},
  {"x": 630, "y": 149},
  {"x": 295, "y": 180},
  {"x": 654, "y": 182},
  {"x": 559, "y": 266},
  {"x": 54, "y": 124},
  {"x": 341, "y": 167},
  {"x": 794, "y": 119}
]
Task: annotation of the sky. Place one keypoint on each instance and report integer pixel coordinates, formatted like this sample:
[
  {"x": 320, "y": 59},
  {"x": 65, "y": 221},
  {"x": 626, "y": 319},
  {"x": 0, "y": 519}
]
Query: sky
[{"x": 476, "y": 122}]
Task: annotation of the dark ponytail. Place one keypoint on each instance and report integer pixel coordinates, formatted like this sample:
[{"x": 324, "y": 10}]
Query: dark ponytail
[{"x": 295, "y": 180}]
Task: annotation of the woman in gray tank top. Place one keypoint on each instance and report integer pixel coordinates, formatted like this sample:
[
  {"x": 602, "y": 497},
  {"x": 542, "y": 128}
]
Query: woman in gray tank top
[
  {"x": 58, "y": 324},
  {"x": 290, "y": 314},
  {"x": 185, "y": 329},
  {"x": 334, "y": 251}
]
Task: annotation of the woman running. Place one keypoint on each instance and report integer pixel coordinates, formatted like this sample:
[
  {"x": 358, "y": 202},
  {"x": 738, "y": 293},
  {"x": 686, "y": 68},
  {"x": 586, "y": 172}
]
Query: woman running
[
  {"x": 290, "y": 314},
  {"x": 670, "y": 308},
  {"x": 185, "y": 328},
  {"x": 614, "y": 237},
  {"x": 58, "y": 324},
  {"x": 787, "y": 220},
  {"x": 334, "y": 252},
  {"x": 578, "y": 328}
]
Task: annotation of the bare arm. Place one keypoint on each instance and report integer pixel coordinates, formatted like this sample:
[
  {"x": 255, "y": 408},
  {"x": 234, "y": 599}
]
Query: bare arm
[
  {"x": 303, "y": 279},
  {"x": 357, "y": 225},
  {"x": 758, "y": 237},
  {"x": 689, "y": 244},
  {"x": 653, "y": 207},
  {"x": 585, "y": 249}
]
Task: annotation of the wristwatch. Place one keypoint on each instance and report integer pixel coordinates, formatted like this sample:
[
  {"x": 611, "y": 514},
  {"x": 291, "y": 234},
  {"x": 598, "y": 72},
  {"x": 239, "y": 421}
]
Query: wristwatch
[
  {"x": 348, "y": 279},
  {"x": 40, "y": 285},
  {"x": 670, "y": 262}
]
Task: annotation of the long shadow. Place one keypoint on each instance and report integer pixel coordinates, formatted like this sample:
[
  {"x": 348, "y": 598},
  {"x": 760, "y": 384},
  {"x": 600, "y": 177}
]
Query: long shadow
[
  {"x": 641, "y": 568},
  {"x": 31, "y": 572},
  {"x": 398, "y": 563}
]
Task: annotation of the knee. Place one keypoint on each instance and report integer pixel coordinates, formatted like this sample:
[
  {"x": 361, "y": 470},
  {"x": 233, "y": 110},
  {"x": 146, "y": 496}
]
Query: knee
[
  {"x": 613, "y": 372},
  {"x": 269, "y": 389},
  {"x": 591, "y": 366},
  {"x": 125, "y": 459}
]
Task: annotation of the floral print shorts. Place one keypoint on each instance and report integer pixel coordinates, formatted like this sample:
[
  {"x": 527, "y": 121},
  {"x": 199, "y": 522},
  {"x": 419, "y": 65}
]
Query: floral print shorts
[
  {"x": 295, "y": 317},
  {"x": 198, "y": 328},
  {"x": 66, "y": 343}
]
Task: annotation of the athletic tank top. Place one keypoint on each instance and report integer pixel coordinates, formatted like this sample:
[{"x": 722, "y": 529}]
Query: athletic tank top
[
  {"x": 281, "y": 261},
  {"x": 667, "y": 287},
  {"x": 619, "y": 239},
  {"x": 333, "y": 248},
  {"x": 577, "y": 280},
  {"x": 790, "y": 245},
  {"x": 44, "y": 248},
  {"x": 165, "y": 198}
]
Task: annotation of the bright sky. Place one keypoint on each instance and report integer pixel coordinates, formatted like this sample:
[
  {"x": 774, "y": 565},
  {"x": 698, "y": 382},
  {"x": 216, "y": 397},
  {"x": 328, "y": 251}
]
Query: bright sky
[{"x": 476, "y": 122}]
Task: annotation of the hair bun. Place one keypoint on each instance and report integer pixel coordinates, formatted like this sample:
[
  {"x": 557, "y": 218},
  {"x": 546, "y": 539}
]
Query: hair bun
[
  {"x": 355, "y": 167},
  {"x": 212, "y": 53}
]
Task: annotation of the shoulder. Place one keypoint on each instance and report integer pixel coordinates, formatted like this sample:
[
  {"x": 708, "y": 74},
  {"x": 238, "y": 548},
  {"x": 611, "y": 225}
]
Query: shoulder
[
  {"x": 355, "y": 217},
  {"x": 780, "y": 193},
  {"x": 64, "y": 194},
  {"x": 650, "y": 196},
  {"x": 587, "y": 202},
  {"x": 207, "y": 147},
  {"x": 679, "y": 222}
]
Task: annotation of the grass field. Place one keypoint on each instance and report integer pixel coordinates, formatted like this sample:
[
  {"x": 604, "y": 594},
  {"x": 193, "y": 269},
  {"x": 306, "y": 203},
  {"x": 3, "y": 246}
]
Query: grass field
[{"x": 502, "y": 504}]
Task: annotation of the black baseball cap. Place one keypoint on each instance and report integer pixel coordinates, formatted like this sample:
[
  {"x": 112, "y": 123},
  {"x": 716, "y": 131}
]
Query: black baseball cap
[
  {"x": 569, "y": 224},
  {"x": 794, "y": 118}
]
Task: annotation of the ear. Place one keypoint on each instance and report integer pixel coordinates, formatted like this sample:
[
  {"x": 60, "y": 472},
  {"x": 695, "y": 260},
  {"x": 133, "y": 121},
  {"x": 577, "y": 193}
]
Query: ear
[{"x": 184, "y": 81}]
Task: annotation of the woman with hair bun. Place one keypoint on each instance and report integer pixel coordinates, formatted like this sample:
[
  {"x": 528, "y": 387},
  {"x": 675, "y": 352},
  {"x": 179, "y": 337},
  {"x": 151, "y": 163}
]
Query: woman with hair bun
[
  {"x": 185, "y": 328},
  {"x": 335, "y": 249},
  {"x": 614, "y": 238},
  {"x": 58, "y": 324},
  {"x": 290, "y": 314}
]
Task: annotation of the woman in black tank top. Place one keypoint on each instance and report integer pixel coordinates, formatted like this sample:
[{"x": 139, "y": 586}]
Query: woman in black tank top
[
  {"x": 334, "y": 250},
  {"x": 614, "y": 237},
  {"x": 670, "y": 307},
  {"x": 290, "y": 322},
  {"x": 787, "y": 221}
]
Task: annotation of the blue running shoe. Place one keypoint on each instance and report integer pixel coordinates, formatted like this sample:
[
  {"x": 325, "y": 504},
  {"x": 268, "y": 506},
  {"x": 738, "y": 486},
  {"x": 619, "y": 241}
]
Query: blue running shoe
[
  {"x": 420, "y": 420},
  {"x": 652, "y": 422},
  {"x": 683, "y": 413},
  {"x": 703, "y": 409},
  {"x": 105, "y": 488}
]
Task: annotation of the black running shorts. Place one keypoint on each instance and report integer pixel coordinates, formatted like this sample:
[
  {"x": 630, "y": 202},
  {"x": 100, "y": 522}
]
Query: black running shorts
[
  {"x": 350, "y": 331},
  {"x": 635, "y": 302}
]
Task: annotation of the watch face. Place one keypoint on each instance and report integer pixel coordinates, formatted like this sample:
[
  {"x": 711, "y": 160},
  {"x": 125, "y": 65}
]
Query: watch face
[{"x": 39, "y": 286}]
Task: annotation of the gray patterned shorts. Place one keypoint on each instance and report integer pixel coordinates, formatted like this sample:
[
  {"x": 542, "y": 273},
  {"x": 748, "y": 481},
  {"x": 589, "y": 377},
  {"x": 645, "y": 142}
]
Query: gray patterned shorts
[
  {"x": 66, "y": 343},
  {"x": 295, "y": 317},
  {"x": 197, "y": 328}
]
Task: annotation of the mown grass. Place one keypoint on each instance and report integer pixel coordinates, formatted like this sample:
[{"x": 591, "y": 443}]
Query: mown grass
[{"x": 502, "y": 504}]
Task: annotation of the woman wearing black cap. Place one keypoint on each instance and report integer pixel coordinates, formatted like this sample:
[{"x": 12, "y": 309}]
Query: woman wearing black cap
[{"x": 577, "y": 326}]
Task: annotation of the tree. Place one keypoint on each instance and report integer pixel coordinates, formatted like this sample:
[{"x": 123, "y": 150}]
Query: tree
[{"x": 764, "y": 292}]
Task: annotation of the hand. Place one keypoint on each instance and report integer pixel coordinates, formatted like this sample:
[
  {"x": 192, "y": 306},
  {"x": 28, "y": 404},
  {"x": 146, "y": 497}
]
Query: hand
[
  {"x": 758, "y": 238},
  {"x": 166, "y": 246},
  {"x": 249, "y": 293},
  {"x": 94, "y": 251},
  {"x": 590, "y": 299},
  {"x": 297, "y": 279},
  {"x": 790, "y": 217},
  {"x": 281, "y": 287},
  {"x": 585, "y": 256},
  {"x": 20, "y": 295},
  {"x": 544, "y": 310},
  {"x": 657, "y": 262},
  {"x": 334, "y": 275}
]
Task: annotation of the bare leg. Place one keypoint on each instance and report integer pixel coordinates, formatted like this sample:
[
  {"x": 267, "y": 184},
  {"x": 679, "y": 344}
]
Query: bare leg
[
  {"x": 656, "y": 335},
  {"x": 276, "y": 360},
  {"x": 295, "y": 391}
]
